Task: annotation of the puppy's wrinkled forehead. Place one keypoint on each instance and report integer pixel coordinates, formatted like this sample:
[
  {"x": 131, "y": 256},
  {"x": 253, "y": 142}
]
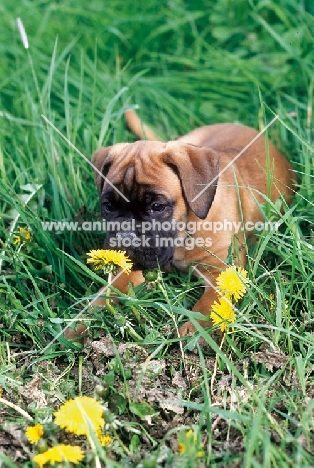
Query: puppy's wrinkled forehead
[
  {"x": 132, "y": 165},
  {"x": 135, "y": 160}
]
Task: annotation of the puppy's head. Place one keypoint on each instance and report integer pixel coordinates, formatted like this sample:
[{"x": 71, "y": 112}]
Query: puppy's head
[{"x": 146, "y": 188}]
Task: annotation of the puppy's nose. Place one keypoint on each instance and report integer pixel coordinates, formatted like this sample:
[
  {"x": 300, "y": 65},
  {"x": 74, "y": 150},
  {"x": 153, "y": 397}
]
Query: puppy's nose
[{"x": 125, "y": 235}]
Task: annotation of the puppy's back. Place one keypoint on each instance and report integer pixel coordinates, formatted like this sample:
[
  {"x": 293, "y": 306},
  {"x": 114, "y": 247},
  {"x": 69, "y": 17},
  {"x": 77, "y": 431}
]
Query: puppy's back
[
  {"x": 259, "y": 165},
  {"x": 244, "y": 150}
]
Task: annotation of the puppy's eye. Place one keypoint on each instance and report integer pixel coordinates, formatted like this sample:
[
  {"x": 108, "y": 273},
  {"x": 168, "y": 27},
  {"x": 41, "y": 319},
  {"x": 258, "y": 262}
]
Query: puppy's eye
[
  {"x": 108, "y": 206},
  {"x": 157, "y": 207}
]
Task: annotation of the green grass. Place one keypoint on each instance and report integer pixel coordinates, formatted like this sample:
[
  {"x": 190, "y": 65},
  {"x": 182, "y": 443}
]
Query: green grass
[{"x": 183, "y": 64}]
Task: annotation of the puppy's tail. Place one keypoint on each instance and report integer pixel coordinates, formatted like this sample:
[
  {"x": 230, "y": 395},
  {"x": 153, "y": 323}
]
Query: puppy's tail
[{"x": 139, "y": 128}]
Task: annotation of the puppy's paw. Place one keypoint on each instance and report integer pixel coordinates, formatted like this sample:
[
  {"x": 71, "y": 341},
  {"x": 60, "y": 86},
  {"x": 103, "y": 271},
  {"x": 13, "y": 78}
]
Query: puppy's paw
[
  {"x": 187, "y": 329},
  {"x": 78, "y": 334}
]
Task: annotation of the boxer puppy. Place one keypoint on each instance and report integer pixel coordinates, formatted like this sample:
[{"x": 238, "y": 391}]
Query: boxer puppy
[{"x": 181, "y": 202}]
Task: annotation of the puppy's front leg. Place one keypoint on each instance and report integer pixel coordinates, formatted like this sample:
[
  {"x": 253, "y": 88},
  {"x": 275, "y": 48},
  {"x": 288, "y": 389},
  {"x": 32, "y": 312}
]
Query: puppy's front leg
[
  {"x": 205, "y": 303},
  {"x": 204, "y": 307},
  {"x": 120, "y": 282}
]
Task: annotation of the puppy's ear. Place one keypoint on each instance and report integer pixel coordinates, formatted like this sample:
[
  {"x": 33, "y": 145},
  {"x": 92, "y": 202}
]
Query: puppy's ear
[
  {"x": 198, "y": 170},
  {"x": 101, "y": 161}
]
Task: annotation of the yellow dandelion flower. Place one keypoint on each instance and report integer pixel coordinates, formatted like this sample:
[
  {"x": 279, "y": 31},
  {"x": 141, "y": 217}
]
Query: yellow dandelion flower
[
  {"x": 232, "y": 282},
  {"x": 181, "y": 447},
  {"x": 24, "y": 235},
  {"x": 222, "y": 313},
  {"x": 104, "y": 439},
  {"x": 79, "y": 415},
  {"x": 34, "y": 433},
  {"x": 17, "y": 240},
  {"x": 58, "y": 454},
  {"x": 188, "y": 439},
  {"x": 190, "y": 433},
  {"x": 109, "y": 260},
  {"x": 189, "y": 445}
]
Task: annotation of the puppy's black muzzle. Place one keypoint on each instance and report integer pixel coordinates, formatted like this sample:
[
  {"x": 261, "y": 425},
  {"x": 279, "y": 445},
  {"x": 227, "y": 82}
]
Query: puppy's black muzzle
[{"x": 147, "y": 251}]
